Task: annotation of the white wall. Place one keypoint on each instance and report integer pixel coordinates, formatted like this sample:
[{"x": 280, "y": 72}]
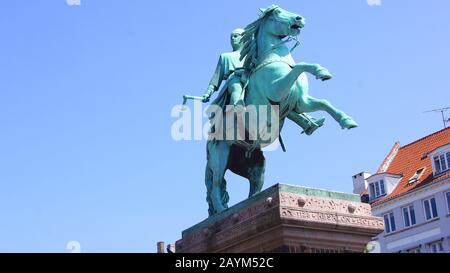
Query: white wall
[{"x": 424, "y": 231}]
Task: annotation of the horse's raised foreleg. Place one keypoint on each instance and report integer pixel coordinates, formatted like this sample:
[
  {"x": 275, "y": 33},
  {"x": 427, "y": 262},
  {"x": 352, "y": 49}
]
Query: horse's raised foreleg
[
  {"x": 218, "y": 153},
  {"x": 317, "y": 70},
  {"x": 282, "y": 86},
  {"x": 310, "y": 104}
]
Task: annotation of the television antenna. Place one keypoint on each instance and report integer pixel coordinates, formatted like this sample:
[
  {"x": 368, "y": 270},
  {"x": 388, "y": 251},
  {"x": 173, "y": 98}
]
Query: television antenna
[{"x": 442, "y": 110}]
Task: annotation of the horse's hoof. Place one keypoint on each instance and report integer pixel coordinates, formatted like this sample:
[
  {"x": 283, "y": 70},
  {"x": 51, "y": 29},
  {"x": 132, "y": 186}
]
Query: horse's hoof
[
  {"x": 323, "y": 74},
  {"x": 219, "y": 210},
  {"x": 348, "y": 123},
  {"x": 324, "y": 78},
  {"x": 216, "y": 200}
]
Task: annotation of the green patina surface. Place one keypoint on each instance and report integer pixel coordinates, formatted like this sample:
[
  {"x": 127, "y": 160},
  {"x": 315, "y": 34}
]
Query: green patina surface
[
  {"x": 232, "y": 210},
  {"x": 268, "y": 192},
  {"x": 319, "y": 192},
  {"x": 260, "y": 72}
]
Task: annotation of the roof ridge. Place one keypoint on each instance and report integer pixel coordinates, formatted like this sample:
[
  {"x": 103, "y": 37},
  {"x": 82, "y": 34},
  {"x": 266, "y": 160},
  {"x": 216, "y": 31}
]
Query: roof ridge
[
  {"x": 389, "y": 157},
  {"x": 410, "y": 159},
  {"x": 427, "y": 136}
]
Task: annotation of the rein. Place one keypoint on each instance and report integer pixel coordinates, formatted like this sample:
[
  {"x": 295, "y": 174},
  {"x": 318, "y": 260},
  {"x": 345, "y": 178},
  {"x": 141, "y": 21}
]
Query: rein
[{"x": 261, "y": 65}]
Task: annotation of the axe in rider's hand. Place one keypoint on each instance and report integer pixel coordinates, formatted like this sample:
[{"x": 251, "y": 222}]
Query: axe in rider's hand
[{"x": 187, "y": 97}]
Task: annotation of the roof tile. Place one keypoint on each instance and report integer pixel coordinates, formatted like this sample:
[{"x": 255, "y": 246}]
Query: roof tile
[{"x": 410, "y": 158}]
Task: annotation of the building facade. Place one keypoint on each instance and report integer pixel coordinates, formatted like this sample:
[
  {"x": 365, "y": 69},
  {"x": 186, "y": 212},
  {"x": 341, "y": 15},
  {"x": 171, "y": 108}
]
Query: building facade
[{"x": 411, "y": 191}]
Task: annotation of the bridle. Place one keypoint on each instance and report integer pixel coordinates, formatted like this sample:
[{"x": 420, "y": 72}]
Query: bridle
[{"x": 264, "y": 54}]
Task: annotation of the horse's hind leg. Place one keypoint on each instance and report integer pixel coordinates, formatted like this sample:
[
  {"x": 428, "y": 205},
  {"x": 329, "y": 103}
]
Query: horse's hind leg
[
  {"x": 223, "y": 190},
  {"x": 256, "y": 173},
  {"x": 208, "y": 184},
  {"x": 218, "y": 153},
  {"x": 256, "y": 180},
  {"x": 311, "y": 104}
]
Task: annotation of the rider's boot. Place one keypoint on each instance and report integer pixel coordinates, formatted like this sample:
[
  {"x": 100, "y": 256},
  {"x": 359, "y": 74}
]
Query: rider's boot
[{"x": 314, "y": 125}]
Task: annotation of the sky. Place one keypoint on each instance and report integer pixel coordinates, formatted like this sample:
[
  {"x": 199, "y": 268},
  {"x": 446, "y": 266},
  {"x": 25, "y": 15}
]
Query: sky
[{"x": 86, "y": 93}]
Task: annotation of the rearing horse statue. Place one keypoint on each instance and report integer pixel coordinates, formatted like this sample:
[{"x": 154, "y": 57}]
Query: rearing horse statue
[{"x": 273, "y": 79}]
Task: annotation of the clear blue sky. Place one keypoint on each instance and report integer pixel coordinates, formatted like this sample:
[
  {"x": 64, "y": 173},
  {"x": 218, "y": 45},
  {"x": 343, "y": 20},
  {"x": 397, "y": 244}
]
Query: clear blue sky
[{"x": 86, "y": 91}]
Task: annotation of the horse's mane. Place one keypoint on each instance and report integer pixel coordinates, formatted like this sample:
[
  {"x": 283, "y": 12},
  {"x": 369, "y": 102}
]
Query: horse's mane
[{"x": 249, "y": 39}]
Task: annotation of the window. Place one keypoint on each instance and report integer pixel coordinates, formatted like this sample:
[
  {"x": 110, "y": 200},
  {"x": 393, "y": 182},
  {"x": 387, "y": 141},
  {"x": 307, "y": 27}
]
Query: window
[
  {"x": 436, "y": 247},
  {"x": 389, "y": 222},
  {"x": 372, "y": 190},
  {"x": 409, "y": 216},
  {"x": 414, "y": 250},
  {"x": 377, "y": 189},
  {"x": 429, "y": 206},
  {"x": 382, "y": 189},
  {"x": 441, "y": 162},
  {"x": 448, "y": 160},
  {"x": 447, "y": 196},
  {"x": 416, "y": 175}
]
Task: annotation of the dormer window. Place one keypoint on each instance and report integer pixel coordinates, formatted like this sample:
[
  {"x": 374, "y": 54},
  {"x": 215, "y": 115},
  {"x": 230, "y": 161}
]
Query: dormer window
[
  {"x": 377, "y": 189},
  {"x": 441, "y": 159},
  {"x": 382, "y": 184},
  {"x": 441, "y": 163}
]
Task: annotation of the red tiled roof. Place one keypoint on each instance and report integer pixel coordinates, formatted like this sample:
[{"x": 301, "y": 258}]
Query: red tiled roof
[
  {"x": 412, "y": 157},
  {"x": 392, "y": 153}
]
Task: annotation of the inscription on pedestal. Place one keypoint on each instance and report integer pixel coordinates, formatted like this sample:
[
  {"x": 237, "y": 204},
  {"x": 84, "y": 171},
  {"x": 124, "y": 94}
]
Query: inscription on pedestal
[{"x": 287, "y": 218}]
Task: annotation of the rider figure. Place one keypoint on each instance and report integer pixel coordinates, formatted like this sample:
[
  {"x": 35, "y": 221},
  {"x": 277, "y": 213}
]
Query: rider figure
[{"x": 230, "y": 69}]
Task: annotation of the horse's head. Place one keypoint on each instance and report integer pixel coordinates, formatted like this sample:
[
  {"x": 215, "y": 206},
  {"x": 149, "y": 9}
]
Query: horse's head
[
  {"x": 273, "y": 23},
  {"x": 281, "y": 22}
]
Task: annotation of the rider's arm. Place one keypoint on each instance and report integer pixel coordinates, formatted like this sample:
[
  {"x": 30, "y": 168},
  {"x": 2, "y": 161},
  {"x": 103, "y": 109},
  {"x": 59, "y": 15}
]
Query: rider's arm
[{"x": 216, "y": 79}]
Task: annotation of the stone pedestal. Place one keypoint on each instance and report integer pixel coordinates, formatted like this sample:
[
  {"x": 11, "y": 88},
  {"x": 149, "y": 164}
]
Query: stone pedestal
[{"x": 286, "y": 218}]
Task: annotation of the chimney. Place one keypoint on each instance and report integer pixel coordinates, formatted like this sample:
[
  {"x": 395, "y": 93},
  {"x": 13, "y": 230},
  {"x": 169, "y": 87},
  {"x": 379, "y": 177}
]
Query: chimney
[
  {"x": 160, "y": 247},
  {"x": 170, "y": 248},
  {"x": 360, "y": 182}
]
